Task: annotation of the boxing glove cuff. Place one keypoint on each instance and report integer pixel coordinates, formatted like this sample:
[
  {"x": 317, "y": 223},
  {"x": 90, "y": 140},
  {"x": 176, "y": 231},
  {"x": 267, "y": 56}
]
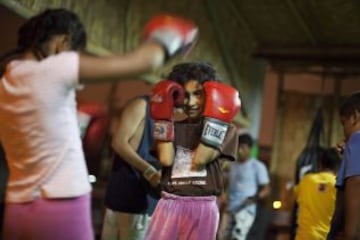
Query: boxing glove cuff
[
  {"x": 163, "y": 130},
  {"x": 214, "y": 132}
]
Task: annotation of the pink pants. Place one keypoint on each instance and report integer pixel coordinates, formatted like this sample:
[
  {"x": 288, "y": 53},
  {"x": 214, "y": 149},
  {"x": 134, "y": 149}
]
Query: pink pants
[
  {"x": 49, "y": 219},
  {"x": 184, "y": 218}
]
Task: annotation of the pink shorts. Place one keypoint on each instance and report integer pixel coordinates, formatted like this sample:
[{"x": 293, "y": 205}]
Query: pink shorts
[
  {"x": 184, "y": 217},
  {"x": 49, "y": 219}
]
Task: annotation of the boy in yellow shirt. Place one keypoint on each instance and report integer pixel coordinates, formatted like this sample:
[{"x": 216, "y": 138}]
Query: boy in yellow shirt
[{"x": 315, "y": 195}]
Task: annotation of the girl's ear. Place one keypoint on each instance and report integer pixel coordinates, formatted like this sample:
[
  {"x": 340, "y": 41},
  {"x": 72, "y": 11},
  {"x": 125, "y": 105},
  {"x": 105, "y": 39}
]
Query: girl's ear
[
  {"x": 57, "y": 44},
  {"x": 62, "y": 43}
]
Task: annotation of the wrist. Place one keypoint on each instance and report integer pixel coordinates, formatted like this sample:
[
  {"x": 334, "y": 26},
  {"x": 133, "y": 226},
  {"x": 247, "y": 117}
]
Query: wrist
[
  {"x": 149, "y": 173},
  {"x": 156, "y": 54}
]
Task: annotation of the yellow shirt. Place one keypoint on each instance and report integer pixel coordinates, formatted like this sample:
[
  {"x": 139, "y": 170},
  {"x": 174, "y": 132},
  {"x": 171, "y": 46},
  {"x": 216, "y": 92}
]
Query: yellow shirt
[{"x": 315, "y": 195}]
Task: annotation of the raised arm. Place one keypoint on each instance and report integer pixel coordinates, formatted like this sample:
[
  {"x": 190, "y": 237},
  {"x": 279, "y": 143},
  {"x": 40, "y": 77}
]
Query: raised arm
[
  {"x": 164, "y": 97},
  {"x": 164, "y": 36},
  {"x": 222, "y": 103},
  {"x": 146, "y": 58}
]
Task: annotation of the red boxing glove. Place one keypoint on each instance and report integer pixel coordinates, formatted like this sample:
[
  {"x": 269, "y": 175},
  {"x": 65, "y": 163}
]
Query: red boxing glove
[
  {"x": 164, "y": 97},
  {"x": 94, "y": 123},
  {"x": 173, "y": 33},
  {"x": 222, "y": 103}
]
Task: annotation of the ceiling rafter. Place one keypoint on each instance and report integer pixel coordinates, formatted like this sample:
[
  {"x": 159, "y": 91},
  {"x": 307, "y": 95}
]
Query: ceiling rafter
[
  {"x": 302, "y": 22},
  {"x": 345, "y": 70},
  {"x": 339, "y": 54}
]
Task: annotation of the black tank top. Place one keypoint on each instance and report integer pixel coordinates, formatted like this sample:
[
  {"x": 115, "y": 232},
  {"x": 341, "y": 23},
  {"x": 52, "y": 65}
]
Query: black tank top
[
  {"x": 127, "y": 190},
  {"x": 145, "y": 146}
]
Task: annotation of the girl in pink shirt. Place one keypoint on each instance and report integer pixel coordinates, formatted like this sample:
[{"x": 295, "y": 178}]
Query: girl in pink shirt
[{"x": 48, "y": 193}]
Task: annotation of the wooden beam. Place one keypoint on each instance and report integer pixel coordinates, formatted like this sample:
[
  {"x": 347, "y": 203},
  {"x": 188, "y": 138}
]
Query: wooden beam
[
  {"x": 309, "y": 53},
  {"x": 17, "y": 8},
  {"x": 333, "y": 69}
]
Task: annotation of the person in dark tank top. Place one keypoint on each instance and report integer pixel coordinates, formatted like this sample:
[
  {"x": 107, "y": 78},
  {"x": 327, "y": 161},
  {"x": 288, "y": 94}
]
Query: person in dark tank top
[{"x": 133, "y": 188}]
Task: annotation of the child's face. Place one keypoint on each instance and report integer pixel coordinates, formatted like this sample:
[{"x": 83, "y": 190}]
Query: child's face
[
  {"x": 243, "y": 151},
  {"x": 194, "y": 99}
]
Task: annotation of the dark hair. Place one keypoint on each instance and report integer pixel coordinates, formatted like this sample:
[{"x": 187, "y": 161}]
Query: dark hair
[
  {"x": 39, "y": 29},
  {"x": 246, "y": 138},
  {"x": 200, "y": 71},
  {"x": 330, "y": 159},
  {"x": 350, "y": 105}
]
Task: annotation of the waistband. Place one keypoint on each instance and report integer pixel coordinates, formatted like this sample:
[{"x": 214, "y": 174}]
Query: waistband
[{"x": 166, "y": 195}]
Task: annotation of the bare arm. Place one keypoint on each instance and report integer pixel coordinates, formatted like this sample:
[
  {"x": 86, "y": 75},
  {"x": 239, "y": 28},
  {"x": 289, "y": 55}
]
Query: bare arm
[
  {"x": 352, "y": 208},
  {"x": 264, "y": 191},
  {"x": 146, "y": 58},
  {"x": 131, "y": 118},
  {"x": 166, "y": 153},
  {"x": 203, "y": 155}
]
